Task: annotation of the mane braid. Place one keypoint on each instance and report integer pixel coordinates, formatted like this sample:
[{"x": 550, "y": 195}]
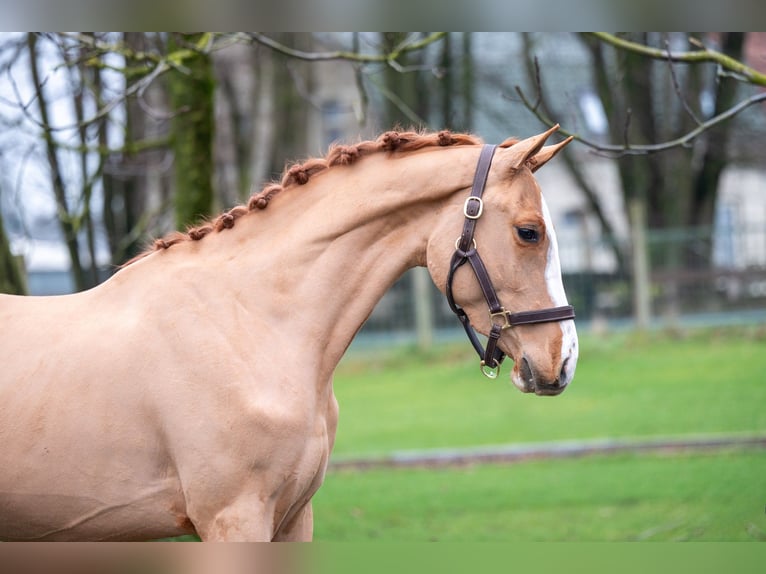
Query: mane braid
[{"x": 300, "y": 174}]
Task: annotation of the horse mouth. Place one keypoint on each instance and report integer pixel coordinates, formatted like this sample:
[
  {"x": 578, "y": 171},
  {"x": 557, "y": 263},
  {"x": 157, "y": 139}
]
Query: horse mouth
[
  {"x": 524, "y": 380},
  {"x": 540, "y": 389}
]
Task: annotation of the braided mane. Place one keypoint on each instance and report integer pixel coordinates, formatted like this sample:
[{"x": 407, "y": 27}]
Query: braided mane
[{"x": 301, "y": 173}]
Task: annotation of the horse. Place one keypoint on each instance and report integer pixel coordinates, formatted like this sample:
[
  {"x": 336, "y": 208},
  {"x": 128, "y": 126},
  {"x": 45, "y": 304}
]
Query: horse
[{"x": 191, "y": 392}]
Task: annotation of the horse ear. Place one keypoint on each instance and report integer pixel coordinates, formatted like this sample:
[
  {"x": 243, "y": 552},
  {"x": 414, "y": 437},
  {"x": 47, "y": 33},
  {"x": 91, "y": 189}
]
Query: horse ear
[
  {"x": 528, "y": 148},
  {"x": 545, "y": 154}
]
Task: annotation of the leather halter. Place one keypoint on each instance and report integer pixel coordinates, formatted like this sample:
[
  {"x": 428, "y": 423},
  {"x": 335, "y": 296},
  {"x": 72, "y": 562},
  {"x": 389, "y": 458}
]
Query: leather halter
[{"x": 466, "y": 251}]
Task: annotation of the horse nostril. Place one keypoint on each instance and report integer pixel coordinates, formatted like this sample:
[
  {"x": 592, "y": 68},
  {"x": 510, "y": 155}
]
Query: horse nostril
[
  {"x": 563, "y": 373},
  {"x": 526, "y": 372},
  {"x": 559, "y": 382},
  {"x": 542, "y": 383}
]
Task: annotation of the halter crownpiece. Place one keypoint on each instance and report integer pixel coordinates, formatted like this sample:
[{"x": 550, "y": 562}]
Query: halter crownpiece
[{"x": 466, "y": 251}]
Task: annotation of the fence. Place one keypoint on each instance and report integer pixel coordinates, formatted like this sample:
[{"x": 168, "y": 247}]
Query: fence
[{"x": 702, "y": 276}]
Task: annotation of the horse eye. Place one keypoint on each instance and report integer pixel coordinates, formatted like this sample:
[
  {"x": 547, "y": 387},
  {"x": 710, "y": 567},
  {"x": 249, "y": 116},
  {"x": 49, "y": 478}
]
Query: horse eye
[{"x": 527, "y": 234}]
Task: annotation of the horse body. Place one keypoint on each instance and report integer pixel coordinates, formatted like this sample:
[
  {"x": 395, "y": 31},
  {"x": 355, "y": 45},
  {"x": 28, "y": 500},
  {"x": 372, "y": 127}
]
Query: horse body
[
  {"x": 192, "y": 391},
  {"x": 79, "y": 444}
]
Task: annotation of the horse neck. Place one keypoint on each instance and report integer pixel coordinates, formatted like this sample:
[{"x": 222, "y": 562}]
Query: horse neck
[{"x": 321, "y": 256}]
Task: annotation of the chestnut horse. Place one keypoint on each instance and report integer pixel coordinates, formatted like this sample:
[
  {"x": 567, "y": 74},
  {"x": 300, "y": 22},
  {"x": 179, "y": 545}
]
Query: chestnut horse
[{"x": 192, "y": 391}]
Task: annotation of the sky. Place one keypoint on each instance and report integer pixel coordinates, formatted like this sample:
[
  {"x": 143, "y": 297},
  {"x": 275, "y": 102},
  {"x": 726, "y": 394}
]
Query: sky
[{"x": 26, "y": 196}]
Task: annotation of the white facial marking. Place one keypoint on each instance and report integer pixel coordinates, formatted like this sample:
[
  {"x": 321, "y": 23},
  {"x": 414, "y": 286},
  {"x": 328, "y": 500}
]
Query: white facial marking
[{"x": 569, "y": 346}]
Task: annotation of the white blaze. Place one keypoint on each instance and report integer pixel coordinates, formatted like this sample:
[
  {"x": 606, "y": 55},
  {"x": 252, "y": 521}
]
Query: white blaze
[{"x": 569, "y": 346}]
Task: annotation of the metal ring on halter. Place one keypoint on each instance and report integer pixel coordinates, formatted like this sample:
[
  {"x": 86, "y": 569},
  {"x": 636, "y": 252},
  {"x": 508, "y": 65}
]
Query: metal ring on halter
[
  {"x": 490, "y": 372},
  {"x": 457, "y": 243}
]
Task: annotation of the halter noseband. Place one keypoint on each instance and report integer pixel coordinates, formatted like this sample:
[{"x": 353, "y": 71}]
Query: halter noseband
[{"x": 466, "y": 251}]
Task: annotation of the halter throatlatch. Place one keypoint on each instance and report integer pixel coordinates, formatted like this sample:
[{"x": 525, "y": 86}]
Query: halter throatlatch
[{"x": 466, "y": 251}]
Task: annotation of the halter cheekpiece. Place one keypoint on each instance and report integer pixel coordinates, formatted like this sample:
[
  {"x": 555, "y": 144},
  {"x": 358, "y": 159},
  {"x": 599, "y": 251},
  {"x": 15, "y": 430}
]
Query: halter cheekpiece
[{"x": 466, "y": 251}]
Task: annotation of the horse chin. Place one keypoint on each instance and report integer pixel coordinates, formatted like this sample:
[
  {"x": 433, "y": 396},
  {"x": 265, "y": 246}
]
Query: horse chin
[{"x": 543, "y": 391}]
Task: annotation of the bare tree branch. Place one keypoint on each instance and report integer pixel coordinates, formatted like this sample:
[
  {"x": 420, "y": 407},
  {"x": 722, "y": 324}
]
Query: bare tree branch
[
  {"x": 68, "y": 225},
  {"x": 612, "y": 150},
  {"x": 208, "y": 43},
  {"x": 740, "y": 70},
  {"x": 361, "y": 112},
  {"x": 400, "y": 104},
  {"x": 388, "y": 58},
  {"x": 677, "y": 88},
  {"x": 575, "y": 167},
  {"x": 139, "y": 87}
]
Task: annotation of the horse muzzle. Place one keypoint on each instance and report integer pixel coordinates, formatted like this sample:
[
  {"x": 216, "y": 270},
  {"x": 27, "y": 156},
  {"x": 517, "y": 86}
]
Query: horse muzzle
[{"x": 530, "y": 380}]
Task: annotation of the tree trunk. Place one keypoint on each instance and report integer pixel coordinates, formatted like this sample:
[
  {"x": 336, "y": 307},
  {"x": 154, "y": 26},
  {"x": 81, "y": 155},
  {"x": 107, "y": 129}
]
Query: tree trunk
[
  {"x": 447, "y": 84},
  {"x": 126, "y": 182},
  {"x": 191, "y": 97},
  {"x": 680, "y": 185},
  {"x": 656, "y": 101},
  {"x": 705, "y": 183},
  {"x": 87, "y": 76},
  {"x": 633, "y": 105},
  {"x": 289, "y": 139},
  {"x": 573, "y": 164},
  {"x": 66, "y": 220},
  {"x": 409, "y": 96},
  {"x": 467, "y": 83},
  {"x": 262, "y": 149},
  {"x": 235, "y": 70},
  {"x": 11, "y": 277}
]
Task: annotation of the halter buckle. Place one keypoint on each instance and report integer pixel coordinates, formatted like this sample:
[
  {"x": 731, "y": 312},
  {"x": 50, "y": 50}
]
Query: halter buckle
[
  {"x": 503, "y": 316},
  {"x": 479, "y": 209},
  {"x": 490, "y": 372}
]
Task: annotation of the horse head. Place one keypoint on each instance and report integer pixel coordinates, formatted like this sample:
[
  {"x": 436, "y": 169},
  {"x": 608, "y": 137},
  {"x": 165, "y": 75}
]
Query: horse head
[{"x": 509, "y": 225}]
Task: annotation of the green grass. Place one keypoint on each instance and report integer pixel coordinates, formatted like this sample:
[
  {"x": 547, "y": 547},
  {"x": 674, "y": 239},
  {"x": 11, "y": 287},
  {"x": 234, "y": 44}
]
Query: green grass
[
  {"x": 626, "y": 386},
  {"x": 620, "y": 498}
]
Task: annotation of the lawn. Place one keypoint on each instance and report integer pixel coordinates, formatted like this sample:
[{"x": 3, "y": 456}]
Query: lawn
[
  {"x": 618, "y": 498},
  {"x": 627, "y": 386}
]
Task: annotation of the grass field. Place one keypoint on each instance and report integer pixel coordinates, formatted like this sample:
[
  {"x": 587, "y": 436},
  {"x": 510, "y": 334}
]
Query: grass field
[{"x": 655, "y": 385}]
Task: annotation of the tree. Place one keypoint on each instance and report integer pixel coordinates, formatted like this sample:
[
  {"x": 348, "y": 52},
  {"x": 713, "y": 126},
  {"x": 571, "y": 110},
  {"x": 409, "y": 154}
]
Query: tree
[
  {"x": 427, "y": 78},
  {"x": 544, "y": 106},
  {"x": 109, "y": 141},
  {"x": 134, "y": 97},
  {"x": 11, "y": 278},
  {"x": 653, "y": 98},
  {"x": 670, "y": 134},
  {"x": 675, "y": 189},
  {"x": 133, "y": 177},
  {"x": 69, "y": 218},
  {"x": 191, "y": 98}
]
